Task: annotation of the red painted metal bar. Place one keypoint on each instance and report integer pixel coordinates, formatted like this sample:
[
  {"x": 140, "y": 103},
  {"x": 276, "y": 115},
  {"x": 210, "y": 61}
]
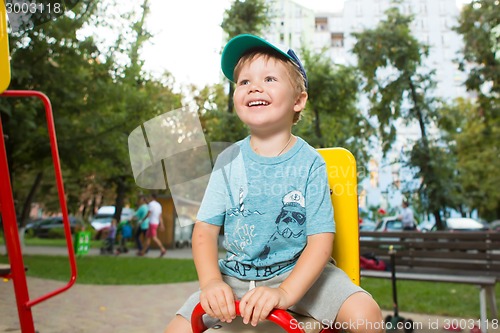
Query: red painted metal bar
[
  {"x": 12, "y": 242},
  {"x": 19, "y": 273},
  {"x": 280, "y": 317}
]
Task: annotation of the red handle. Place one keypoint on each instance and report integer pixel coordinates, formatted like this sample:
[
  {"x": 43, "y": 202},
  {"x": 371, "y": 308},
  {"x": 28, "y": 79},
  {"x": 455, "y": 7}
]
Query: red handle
[{"x": 280, "y": 317}]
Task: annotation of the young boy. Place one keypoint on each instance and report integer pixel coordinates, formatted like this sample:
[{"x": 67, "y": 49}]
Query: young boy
[{"x": 272, "y": 196}]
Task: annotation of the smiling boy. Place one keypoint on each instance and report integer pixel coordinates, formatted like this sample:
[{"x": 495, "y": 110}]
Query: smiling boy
[{"x": 271, "y": 194}]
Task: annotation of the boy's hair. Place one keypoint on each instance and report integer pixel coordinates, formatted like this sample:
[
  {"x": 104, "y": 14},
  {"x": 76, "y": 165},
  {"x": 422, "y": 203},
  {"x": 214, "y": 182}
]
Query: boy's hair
[{"x": 294, "y": 73}]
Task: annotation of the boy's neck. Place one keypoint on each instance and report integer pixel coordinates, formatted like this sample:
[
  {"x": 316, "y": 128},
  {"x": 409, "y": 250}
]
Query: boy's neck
[{"x": 272, "y": 146}]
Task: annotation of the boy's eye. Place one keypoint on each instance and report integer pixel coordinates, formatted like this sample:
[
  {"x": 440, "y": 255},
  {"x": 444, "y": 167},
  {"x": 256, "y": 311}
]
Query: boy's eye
[
  {"x": 244, "y": 82},
  {"x": 270, "y": 79}
]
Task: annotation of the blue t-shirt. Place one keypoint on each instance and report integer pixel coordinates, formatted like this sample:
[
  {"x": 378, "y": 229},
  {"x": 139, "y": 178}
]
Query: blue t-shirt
[{"x": 268, "y": 206}]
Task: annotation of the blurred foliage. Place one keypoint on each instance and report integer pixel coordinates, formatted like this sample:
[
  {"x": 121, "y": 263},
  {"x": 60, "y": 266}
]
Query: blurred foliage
[
  {"x": 100, "y": 93},
  {"x": 473, "y": 128},
  {"x": 473, "y": 147},
  {"x": 400, "y": 90},
  {"x": 97, "y": 100},
  {"x": 332, "y": 117}
]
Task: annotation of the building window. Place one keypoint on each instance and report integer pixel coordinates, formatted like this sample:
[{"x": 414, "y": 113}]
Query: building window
[
  {"x": 321, "y": 24},
  {"x": 337, "y": 39}
]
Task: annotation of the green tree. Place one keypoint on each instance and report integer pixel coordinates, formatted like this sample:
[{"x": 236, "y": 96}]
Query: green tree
[
  {"x": 476, "y": 158},
  {"x": 479, "y": 25},
  {"x": 331, "y": 117},
  {"x": 477, "y": 141},
  {"x": 390, "y": 59},
  {"x": 97, "y": 101}
]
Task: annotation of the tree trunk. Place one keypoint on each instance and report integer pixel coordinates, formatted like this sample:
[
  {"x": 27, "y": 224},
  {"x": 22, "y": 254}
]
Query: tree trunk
[
  {"x": 427, "y": 169},
  {"x": 120, "y": 197},
  {"x": 230, "y": 102},
  {"x": 29, "y": 199},
  {"x": 439, "y": 222}
]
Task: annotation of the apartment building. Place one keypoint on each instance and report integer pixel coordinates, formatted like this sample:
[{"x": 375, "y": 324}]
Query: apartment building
[{"x": 332, "y": 31}]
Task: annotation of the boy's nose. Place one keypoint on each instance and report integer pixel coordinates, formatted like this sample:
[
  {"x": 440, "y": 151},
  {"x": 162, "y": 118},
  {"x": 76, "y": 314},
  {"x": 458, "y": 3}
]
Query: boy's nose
[{"x": 255, "y": 87}]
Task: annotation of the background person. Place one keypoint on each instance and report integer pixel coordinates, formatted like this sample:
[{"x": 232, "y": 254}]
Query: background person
[
  {"x": 155, "y": 223},
  {"x": 142, "y": 225},
  {"x": 406, "y": 217},
  {"x": 124, "y": 230}
]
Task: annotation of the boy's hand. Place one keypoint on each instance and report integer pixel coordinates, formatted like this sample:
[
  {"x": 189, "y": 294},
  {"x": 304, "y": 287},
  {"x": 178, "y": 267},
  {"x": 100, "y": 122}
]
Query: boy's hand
[
  {"x": 256, "y": 304},
  {"x": 217, "y": 300}
]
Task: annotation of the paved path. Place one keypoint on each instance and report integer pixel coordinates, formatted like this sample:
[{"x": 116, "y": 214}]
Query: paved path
[{"x": 123, "y": 309}]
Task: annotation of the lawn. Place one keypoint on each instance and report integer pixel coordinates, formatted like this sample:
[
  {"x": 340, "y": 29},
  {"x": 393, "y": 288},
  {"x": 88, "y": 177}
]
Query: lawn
[
  {"x": 110, "y": 270},
  {"x": 419, "y": 297}
]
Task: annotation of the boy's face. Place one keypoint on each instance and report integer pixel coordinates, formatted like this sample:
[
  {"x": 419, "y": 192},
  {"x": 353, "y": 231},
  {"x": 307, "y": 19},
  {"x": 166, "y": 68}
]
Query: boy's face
[{"x": 264, "y": 97}]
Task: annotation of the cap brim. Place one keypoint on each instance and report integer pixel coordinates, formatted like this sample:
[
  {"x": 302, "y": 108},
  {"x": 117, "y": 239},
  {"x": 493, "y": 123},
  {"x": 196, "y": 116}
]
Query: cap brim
[{"x": 237, "y": 46}]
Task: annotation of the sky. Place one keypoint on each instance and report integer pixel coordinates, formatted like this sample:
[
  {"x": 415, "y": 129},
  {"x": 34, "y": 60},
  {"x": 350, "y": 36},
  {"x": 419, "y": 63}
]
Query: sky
[{"x": 188, "y": 39}]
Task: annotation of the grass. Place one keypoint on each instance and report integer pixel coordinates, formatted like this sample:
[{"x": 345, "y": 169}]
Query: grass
[
  {"x": 445, "y": 299},
  {"x": 418, "y": 297},
  {"x": 111, "y": 270},
  {"x": 55, "y": 242}
]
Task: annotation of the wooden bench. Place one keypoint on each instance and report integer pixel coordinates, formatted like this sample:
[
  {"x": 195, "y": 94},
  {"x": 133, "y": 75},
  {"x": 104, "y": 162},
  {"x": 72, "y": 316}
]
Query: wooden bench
[
  {"x": 454, "y": 257},
  {"x": 4, "y": 270}
]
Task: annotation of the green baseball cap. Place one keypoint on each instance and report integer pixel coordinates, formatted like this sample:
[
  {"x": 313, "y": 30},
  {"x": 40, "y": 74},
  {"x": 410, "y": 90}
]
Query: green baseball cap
[{"x": 240, "y": 44}]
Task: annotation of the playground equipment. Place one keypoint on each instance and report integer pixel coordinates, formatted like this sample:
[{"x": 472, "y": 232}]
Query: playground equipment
[
  {"x": 16, "y": 270},
  {"x": 341, "y": 168}
]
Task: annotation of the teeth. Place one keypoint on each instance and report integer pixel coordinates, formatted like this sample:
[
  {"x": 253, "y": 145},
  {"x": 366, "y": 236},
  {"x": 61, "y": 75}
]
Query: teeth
[{"x": 256, "y": 103}]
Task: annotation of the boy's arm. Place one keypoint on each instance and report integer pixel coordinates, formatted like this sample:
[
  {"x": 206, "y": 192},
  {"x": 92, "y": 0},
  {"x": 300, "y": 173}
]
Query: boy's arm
[
  {"x": 309, "y": 266},
  {"x": 216, "y": 296},
  {"x": 256, "y": 305}
]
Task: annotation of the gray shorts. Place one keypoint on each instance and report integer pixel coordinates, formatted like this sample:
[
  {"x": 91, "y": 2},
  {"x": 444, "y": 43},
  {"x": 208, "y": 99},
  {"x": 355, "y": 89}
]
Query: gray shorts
[{"x": 322, "y": 302}]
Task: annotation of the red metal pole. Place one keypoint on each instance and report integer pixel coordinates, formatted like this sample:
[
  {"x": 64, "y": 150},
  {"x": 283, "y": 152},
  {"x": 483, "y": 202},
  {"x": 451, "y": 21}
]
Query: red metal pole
[
  {"x": 12, "y": 242},
  {"x": 24, "y": 304}
]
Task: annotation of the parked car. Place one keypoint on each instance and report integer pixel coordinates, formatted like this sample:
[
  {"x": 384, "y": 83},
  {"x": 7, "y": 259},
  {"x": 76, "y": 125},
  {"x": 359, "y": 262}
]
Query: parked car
[
  {"x": 425, "y": 226},
  {"x": 51, "y": 226},
  {"x": 389, "y": 223},
  {"x": 462, "y": 224},
  {"x": 495, "y": 225},
  {"x": 102, "y": 220},
  {"x": 367, "y": 225}
]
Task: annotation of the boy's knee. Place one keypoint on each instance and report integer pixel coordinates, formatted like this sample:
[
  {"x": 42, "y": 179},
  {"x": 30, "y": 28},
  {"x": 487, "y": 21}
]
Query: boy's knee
[
  {"x": 178, "y": 325},
  {"x": 362, "y": 314}
]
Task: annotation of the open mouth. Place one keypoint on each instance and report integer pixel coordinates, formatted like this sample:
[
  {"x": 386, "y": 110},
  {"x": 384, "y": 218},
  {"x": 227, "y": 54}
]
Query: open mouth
[{"x": 258, "y": 103}]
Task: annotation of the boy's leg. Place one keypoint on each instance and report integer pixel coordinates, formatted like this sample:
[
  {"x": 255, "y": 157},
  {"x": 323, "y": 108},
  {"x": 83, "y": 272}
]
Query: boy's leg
[
  {"x": 179, "y": 325},
  {"x": 360, "y": 313},
  {"x": 337, "y": 302}
]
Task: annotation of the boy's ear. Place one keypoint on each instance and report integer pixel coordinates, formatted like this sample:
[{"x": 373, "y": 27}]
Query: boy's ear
[{"x": 300, "y": 102}]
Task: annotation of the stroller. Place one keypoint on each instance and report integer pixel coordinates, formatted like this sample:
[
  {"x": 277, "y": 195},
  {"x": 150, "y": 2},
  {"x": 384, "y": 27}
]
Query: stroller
[
  {"x": 125, "y": 234},
  {"x": 108, "y": 242}
]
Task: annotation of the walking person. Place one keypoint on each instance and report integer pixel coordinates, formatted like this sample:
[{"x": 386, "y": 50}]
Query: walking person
[
  {"x": 406, "y": 217},
  {"x": 155, "y": 223},
  {"x": 142, "y": 225}
]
